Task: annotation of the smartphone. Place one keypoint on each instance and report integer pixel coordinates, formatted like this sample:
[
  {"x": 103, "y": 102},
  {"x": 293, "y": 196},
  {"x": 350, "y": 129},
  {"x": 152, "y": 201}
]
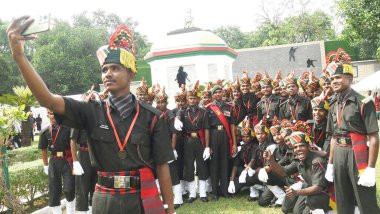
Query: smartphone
[{"x": 40, "y": 24}]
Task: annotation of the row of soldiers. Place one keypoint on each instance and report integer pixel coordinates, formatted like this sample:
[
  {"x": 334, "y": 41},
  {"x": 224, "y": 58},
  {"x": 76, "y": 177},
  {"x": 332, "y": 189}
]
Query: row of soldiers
[{"x": 281, "y": 148}]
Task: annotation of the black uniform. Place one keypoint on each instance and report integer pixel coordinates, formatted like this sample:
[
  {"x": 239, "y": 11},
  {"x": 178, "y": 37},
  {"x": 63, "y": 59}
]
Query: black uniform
[
  {"x": 242, "y": 159},
  {"x": 84, "y": 184},
  {"x": 147, "y": 146},
  {"x": 179, "y": 148},
  {"x": 359, "y": 117},
  {"x": 268, "y": 107},
  {"x": 194, "y": 119},
  {"x": 250, "y": 104},
  {"x": 173, "y": 165},
  {"x": 57, "y": 140},
  {"x": 239, "y": 111},
  {"x": 296, "y": 108},
  {"x": 220, "y": 148},
  {"x": 312, "y": 170}
]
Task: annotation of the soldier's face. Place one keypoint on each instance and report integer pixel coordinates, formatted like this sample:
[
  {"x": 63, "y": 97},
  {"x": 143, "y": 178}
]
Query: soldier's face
[
  {"x": 301, "y": 150},
  {"x": 340, "y": 82},
  {"x": 246, "y": 139},
  {"x": 278, "y": 138},
  {"x": 217, "y": 95},
  {"x": 206, "y": 100},
  {"x": 236, "y": 94},
  {"x": 161, "y": 105},
  {"x": 116, "y": 78},
  {"x": 276, "y": 91},
  {"x": 319, "y": 114},
  {"x": 260, "y": 135},
  {"x": 317, "y": 92},
  {"x": 326, "y": 86},
  {"x": 267, "y": 90},
  {"x": 287, "y": 142},
  {"x": 142, "y": 96},
  {"x": 51, "y": 117},
  {"x": 284, "y": 91},
  {"x": 292, "y": 89},
  {"x": 245, "y": 88},
  {"x": 193, "y": 101}
]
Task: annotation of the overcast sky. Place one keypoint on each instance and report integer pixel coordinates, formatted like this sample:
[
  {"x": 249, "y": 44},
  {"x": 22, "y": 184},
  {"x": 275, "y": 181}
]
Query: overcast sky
[{"x": 157, "y": 17}]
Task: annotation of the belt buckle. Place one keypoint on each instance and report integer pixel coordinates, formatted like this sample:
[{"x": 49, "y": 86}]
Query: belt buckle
[
  {"x": 220, "y": 127},
  {"x": 194, "y": 134},
  {"x": 121, "y": 182},
  {"x": 342, "y": 140},
  {"x": 59, "y": 154}
]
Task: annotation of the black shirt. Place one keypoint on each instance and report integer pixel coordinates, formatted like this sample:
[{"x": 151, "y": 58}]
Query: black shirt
[
  {"x": 271, "y": 104},
  {"x": 299, "y": 106},
  {"x": 250, "y": 103},
  {"x": 194, "y": 118},
  {"x": 245, "y": 155},
  {"x": 227, "y": 111},
  {"x": 80, "y": 136},
  {"x": 359, "y": 115},
  {"x": 147, "y": 146},
  {"x": 48, "y": 135}
]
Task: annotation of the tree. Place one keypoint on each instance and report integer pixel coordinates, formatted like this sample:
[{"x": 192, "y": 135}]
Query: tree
[
  {"x": 22, "y": 97},
  {"x": 233, "y": 36},
  {"x": 361, "y": 25}
]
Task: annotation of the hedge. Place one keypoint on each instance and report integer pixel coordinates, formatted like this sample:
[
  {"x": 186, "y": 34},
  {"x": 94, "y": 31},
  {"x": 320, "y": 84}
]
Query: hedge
[{"x": 26, "y": 178}]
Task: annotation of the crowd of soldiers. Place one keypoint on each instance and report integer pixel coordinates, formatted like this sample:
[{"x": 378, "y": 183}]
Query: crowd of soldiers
[{"x": 300, "y": 143}]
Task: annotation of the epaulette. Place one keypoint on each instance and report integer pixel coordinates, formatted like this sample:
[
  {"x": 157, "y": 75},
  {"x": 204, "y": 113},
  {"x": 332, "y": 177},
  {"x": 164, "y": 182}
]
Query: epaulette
[
  {"x": 150, "y": 108},
  {"x": 44, "y": 129},
  {"x": 364, "y": 100}
]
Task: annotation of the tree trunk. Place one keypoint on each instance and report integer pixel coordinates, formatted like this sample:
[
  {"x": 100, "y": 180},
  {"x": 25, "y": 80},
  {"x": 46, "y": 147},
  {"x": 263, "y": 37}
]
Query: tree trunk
[{"x": 27, "y": 130}]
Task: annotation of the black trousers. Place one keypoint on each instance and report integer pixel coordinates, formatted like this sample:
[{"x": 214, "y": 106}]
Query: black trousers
[
  {"x": 347, "y": 190},
  {"x": 180, "y": 152},
  {"x": 174, "y": 172},
  {"x": 305, "y": 204},
  {"x": 85, "y": 184},
  {"x": 219, "y": 161},
  {"x": 193, "y": 150},
  {"x": 117, "y": 204},
  {"x": 60, "y": 169}
]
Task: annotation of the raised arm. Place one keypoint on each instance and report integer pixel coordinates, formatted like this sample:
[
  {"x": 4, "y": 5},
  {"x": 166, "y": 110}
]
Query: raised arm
[{"x": 31, "y": 77}]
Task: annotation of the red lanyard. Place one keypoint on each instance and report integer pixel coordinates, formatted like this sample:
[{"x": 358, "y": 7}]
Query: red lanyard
[
  {"x": 237, "y": 113},
  {"x": 339, "y": 116},
  {"x": 249, "y": 103},
  {"x": 56, "y": 134},
  {"x": 293, "y": 113},
  {"x": 319, "y": 137},
  {"x": 192, "y": 121},
  {"x": 121, "y": 147}
]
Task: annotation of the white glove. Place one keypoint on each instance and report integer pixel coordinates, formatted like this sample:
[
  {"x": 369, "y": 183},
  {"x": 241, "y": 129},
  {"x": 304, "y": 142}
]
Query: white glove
[
  {"x": 330, "y": 172},
  {"x": 231, "y": 187},
  {"x": 263, "y": 175},
  {"x": 241, "y": 143},
  {"x": 296, "y": 186},
  {"x": 238, "y": 149},
  {"x": 178, "y": 124},
  {"x": 243, "y": 177},
  {"x": 271, "y": 148},
  {"x": 46, "y": 170},
  {"x": 368, "y": 178},
  {"x": 77, "y": 168},
  {"x": 251, "y": 172},
  {"x": 206, "y": 153},
  {"x": 175, "y": 154}
]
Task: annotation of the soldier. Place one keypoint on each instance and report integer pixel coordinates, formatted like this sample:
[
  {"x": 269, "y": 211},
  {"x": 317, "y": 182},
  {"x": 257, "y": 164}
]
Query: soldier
[
  {"x": 222, "y": 141},
  {"x": 181, "y": 102},
  {"x": 242, "y": 159},
  {"x": 319, "y": 137},
  {"x": 325, "y": 83},
  {"x": 142, "y": 91},
  {"x": 125, "y": 177},
  {"x": 352, "y": 121},
  {"x": 195, "y": 124},
  {"x": 239, "y": 110},
  {"x": 161, "y": 100},
  {"x": 295, "y": 107},
  {"x": 85, "y": 179},
  {"x": 249, "y": 98},
  {"x": 268, "y": 106},
  {"x": 206, "y": 96},
  {"x": 56, "y": 139},
  {"x": 312, "y": 194}
]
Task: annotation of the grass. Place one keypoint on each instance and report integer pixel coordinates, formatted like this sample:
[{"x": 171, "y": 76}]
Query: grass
[{"x": 239, "y": 203}]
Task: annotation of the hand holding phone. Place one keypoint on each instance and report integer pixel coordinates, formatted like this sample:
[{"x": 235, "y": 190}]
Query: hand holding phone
[{"x": 40, "y": 24}]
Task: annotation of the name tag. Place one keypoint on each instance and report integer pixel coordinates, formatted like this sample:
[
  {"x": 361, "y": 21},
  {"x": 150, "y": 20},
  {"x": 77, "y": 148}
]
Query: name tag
[
  {"x": 227, "y": 113},
  {"x": 104, "y": 127},
  {"x": 59, "y": 154}
]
